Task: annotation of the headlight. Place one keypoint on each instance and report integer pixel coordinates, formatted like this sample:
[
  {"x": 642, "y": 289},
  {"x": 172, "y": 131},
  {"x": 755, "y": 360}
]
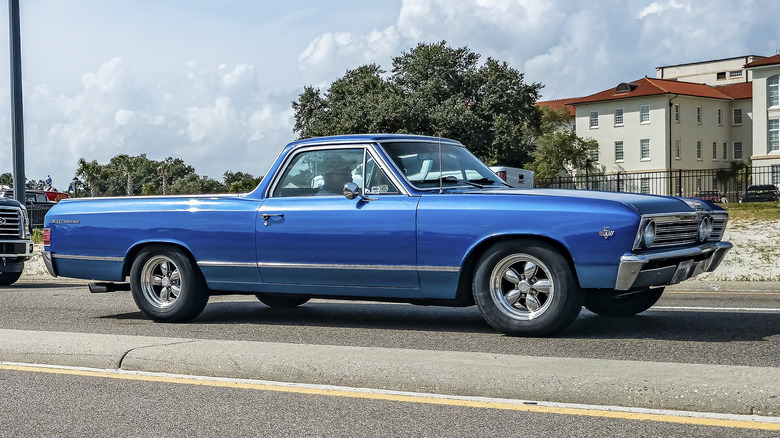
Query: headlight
[
  {"x": 705, "y": 229},
  {"x": 648, "y": 234}
]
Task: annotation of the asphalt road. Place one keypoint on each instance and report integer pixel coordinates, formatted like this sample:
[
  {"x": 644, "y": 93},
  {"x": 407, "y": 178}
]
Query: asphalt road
[
  {"x": 686, "y": 326},
  {"x": 721, "y": 346}
]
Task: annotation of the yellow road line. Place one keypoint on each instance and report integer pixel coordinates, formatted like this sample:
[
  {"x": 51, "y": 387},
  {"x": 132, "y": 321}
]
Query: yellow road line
[{"x": 397, "y": 397}]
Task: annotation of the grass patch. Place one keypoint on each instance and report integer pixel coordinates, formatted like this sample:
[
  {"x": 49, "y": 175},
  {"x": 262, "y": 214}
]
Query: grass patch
[
  {"x": 753, "y": 211},
  {"x": 37, "y": 235}
]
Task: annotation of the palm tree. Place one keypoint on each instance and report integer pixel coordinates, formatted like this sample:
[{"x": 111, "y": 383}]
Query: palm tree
[{"x": 91, "y": 172}]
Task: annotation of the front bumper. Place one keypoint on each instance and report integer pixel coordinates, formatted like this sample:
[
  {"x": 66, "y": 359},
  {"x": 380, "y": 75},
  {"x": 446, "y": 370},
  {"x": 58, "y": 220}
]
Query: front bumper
[
  {"x": 669, "y": 266},
  {"x": 16, "y": 248}
]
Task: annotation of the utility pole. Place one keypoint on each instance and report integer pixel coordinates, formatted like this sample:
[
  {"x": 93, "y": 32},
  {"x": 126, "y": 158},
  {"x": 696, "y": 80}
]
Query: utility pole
[{"x": 17, "y": 125}]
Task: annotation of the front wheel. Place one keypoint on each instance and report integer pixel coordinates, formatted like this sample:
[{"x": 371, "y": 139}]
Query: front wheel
[
  {"x": 9, "y": 278},
  {"x": 166, "y": 285},
  {"x": 526, "y": 288},
  {"x": 625, "y": 304}
]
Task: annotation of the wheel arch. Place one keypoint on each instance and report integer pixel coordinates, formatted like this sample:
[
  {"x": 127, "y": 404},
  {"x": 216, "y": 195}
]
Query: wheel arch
[
  {"x": 469, "y": 265},
  {"x": 134, "y": 250}
]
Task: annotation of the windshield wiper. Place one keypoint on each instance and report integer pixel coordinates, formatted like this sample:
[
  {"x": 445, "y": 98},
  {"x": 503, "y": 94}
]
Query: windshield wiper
[{"x": 483, "y": 181}]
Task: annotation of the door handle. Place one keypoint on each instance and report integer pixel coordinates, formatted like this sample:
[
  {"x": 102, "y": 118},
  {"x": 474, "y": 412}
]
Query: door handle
[{"x": 267, "y": 216}]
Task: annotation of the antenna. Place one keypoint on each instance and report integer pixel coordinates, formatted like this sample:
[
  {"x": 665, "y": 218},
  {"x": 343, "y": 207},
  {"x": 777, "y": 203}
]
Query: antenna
[{"x": 441, "y": 171}]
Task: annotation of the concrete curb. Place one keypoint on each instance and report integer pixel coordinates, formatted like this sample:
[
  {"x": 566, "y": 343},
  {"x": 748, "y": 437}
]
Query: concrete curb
[{"x": 655, "y": 385}]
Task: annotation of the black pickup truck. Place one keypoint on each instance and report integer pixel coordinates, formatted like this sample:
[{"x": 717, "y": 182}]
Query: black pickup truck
[{"x": 16, "y": 246}]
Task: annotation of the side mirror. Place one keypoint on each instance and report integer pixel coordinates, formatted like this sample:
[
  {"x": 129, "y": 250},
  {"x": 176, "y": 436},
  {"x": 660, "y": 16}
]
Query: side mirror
[{"x": 351, "y": 190}]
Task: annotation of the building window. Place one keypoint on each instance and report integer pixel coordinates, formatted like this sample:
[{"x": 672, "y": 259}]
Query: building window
[
  {"x": 677, "y": 112},
  {"x": 594, "y": 154},
  {"x": 677, "y": 148},
  {"x": 737, "y": 150},
  {"x": 773, "y": 136},
  {"x": 698, "y": 115},
  {"x": 773, "y": 91},
  {"x": 735, "y": 74},
  {"x": 721, "y": 75},
  {"x": 737, "y": 116},
  {"x": 698, "y": 149},
  {"x": 594, "y": 119},
  {"x": 725, "y": 151},
  {"x": 644, "y": 149},
  {"x": 720, "y": 117},
  {"x": 714, "y": 150},
  {"x": 618, "y": 116},
  {"x": 618, "y": 151},
  {"x": 644, "y": 114}
]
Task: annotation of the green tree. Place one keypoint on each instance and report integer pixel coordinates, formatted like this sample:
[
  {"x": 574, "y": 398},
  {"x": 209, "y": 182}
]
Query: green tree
[
  {"x": 432, "y": 90},
  {"x": 7, "y": 179},
  {"x": 240, "y": 182},
  {"x": 559, "y": 149},
  {"x": 196, "y": 184},
  {"x": 91, "y": 174}
]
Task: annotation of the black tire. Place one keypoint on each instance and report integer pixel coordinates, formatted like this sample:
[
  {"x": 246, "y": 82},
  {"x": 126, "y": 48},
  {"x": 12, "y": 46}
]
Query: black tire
[
  {"x": 618, "y": 304},
  {"x": 166, "y": 285},
  {"x": 282, "y": 301},
  {"x": 9, "y": 278},
  {"x": 526, "y": 287}
]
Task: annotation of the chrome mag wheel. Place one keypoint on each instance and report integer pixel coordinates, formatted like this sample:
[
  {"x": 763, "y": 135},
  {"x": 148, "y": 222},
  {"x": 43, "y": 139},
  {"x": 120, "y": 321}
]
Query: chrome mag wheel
[
  {"x": 521, "y": 286},
  {"x": 161, "y": 281}
]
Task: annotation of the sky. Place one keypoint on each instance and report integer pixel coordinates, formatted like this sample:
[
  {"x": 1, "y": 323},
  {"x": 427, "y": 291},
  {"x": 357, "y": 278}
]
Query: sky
[{"x": 211, "y": 82}]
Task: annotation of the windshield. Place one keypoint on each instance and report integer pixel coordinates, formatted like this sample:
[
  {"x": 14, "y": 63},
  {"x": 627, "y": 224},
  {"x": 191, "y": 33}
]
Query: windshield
[{"x": 419, "y": 162}]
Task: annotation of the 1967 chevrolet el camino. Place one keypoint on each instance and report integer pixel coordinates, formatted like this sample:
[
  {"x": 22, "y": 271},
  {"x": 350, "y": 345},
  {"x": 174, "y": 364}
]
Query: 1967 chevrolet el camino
[{"x": 374, "y": 217}]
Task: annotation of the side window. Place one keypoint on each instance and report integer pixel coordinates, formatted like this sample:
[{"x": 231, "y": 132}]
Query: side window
[
  {"x": 377, "y": 182},
  {"x": 321, "y": 173}
]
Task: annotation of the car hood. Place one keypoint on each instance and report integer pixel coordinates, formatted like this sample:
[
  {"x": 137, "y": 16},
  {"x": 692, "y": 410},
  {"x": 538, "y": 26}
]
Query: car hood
[{"x": 644, "y": 204}]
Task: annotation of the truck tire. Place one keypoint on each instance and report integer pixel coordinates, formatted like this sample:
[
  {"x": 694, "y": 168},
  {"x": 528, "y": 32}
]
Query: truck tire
[
  {"x": 526, "y": 287},
  {"x": 621, "y": 305},
  {"x": 166, "y": 285},
  {"x": 9, "y": 278}
]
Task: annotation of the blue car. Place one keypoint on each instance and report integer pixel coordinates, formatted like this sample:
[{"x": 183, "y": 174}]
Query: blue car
[{"x": 396, "y": 218}]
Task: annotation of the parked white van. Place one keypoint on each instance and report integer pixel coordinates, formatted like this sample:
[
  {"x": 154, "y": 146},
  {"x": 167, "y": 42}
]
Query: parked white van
[{"x": 515, "y": 177}]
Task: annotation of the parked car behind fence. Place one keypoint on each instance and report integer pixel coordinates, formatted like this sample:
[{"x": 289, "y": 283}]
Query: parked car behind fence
[{"x": 761, "y": 193}]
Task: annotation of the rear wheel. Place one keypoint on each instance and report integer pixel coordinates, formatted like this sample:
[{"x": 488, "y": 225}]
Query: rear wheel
[
  {"x": 9, "y": 278},
  {"x": 526, "y": 288},
  {"x": 166, "y": 285},
  {"x": 282, "y": 301},
  {"x": 622, "y": 304}
]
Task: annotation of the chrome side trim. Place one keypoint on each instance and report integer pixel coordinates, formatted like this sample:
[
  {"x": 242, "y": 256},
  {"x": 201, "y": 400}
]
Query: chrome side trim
[
  {"x": 90, "y": 258},
  {"x": 359, "y": 267},
  {"x": 213, "y": 264}
]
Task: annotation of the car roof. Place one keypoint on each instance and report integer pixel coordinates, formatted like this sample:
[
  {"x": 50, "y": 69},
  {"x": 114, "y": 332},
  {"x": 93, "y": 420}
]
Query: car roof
[{"x": 370, "y": 138}]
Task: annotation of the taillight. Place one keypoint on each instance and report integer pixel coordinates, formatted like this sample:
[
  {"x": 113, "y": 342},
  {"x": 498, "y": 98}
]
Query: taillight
[{"x": 46, "y": 236}]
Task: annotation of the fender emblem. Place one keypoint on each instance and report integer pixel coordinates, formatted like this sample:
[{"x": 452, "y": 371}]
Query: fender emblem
[{"x": 606, "y": 233}]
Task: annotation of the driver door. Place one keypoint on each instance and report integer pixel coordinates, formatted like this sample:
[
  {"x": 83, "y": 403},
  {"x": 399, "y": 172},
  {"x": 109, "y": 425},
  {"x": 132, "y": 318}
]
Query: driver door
[{"x": 310, "y": 236}]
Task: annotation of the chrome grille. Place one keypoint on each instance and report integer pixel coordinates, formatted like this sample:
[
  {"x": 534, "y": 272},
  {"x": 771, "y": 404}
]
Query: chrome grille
[
  {"x": 9, "y": 222},
  {"x": 718, "y": 226},
  {"x": 684, "y": 229},
  {"x": 676, "y": 230}
]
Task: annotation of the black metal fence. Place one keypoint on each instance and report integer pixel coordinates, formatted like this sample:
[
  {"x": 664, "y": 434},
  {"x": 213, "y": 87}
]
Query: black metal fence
[
  {"x": 36, "y": 211},
  {"x": 729, "y": 183}
]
